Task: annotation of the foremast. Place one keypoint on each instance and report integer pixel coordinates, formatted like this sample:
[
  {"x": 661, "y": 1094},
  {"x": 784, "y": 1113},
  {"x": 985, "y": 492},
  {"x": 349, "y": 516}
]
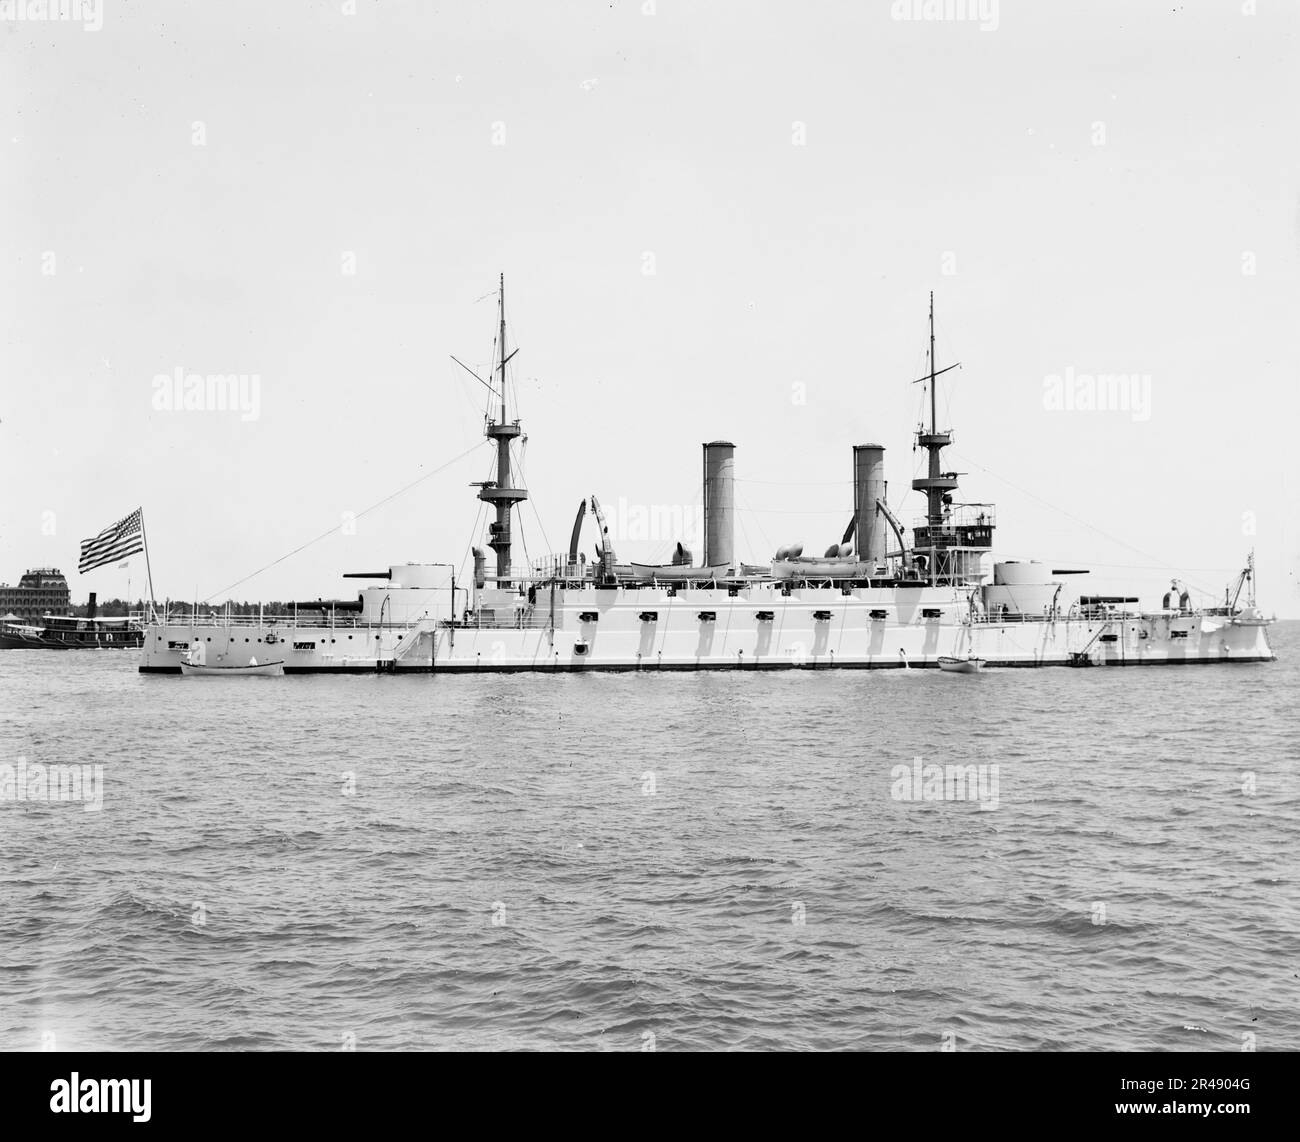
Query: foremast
[{"x": 499, "y": 492}]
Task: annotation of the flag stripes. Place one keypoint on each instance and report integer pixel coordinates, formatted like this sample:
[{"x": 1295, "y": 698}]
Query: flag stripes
[{"x": 126, "y": 537}]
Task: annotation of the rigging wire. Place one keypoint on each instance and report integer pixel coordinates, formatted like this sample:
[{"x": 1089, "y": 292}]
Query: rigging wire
[
  {"x": 666, "y": 546},
  {"x": 947, "y": 403},
  {"x": 1082, "y": 522},
  {"x": 746, "y": 510},
  {"x": 469, "y": 397},
  {"x": 1148, "y": 567},
  {"x": 518, "y": 409},
  {"x": 334, "y": 528},
  {"x": 478, "y": 522},
  {"x": 523, "y": 541},
  {"x": 795, "y": 484},
  {"x": 797, "y": 511},
  {"x": 749, "y": 543},
  {"x": 523, "y": 483},
  {"x": 478, "y": 517}
]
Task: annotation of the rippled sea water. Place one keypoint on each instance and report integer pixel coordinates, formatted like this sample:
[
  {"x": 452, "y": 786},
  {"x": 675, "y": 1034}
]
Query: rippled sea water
[{"x": 618, "y": 861}]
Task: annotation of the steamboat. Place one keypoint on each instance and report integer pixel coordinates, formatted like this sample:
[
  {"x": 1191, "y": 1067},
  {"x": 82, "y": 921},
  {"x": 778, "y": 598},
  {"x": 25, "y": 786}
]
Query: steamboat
[
  {"x": 882, "y": 598},
  {"x": 69, "y": 632}
]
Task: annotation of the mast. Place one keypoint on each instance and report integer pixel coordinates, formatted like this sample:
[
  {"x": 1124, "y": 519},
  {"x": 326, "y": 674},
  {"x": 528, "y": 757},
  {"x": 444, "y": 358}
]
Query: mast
[
  {"x": 936, "y": 484},
  {"x": 932, "y": 399},
  {"x": 501, "y": 306},
  {"x": 499, "y": 492}
]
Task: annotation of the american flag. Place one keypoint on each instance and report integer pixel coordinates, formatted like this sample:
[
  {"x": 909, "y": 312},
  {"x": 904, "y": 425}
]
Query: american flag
[{"x": 126, "y": 537}]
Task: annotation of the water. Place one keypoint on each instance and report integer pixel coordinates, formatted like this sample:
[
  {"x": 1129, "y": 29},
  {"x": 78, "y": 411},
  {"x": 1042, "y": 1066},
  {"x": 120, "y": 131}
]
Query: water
[{"x": 619, "y": 861}]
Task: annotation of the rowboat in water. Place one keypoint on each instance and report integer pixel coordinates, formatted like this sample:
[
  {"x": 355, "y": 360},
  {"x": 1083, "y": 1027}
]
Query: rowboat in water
[
  {"x": 968, "y": 665},
  {"x": 252, "y": 669}
]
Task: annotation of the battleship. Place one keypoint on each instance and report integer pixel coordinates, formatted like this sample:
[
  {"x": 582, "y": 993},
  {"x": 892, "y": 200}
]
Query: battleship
[{"x": 887, "y": 596}]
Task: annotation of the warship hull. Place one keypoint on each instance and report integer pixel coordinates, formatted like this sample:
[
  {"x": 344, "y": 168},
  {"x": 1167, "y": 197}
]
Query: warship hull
[
  {"x": 875, "y": 600},
  {"x": 716, "y": 630}
]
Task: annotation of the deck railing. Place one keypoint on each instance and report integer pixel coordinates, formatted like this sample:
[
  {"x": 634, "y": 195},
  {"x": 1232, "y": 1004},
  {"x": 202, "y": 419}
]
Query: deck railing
[
  {"x": 538, "y": 618},
  {"x": 962, "y": 515},
  {"x": 313, "y": 619}
]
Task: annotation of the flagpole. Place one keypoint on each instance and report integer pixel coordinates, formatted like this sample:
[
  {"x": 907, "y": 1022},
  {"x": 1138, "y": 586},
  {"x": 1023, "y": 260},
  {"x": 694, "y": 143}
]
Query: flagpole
[{"x": 144, "y": 536}]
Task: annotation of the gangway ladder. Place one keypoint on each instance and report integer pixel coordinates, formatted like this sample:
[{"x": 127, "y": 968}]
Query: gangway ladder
[
  {"x": 1082, "y": 657},
  {"x": 407, "y": 643}
]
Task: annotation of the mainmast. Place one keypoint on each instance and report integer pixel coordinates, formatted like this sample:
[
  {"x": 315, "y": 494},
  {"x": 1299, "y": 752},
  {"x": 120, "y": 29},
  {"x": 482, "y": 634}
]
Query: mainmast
[
  {"x": 954, "y": 538},
  {"x": 936, "y": 484},
  {"x": 932, "y": 398},
  {"x": 501, "y": 308},
  {"x": 499, "y": 493}
]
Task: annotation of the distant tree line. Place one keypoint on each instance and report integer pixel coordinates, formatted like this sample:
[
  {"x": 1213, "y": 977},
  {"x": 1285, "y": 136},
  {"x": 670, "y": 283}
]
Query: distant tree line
[{"x": 119, "y": 608}]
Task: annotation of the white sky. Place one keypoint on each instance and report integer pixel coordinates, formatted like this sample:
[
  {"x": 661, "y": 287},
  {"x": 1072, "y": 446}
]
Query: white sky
[{"x": 1098, "y": 175}]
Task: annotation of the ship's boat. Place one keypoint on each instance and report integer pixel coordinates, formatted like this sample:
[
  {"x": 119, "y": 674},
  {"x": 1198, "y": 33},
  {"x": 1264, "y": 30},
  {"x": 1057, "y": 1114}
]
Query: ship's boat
[
  {"x": 194, "y": 663},
  {"x": 1251, "y": 617},
  {"x": 969, "y": 665},
  {"x": 672, "y": 573},
  {"x": 252, "y": 669},
  {"x": 809, "y": 567}
]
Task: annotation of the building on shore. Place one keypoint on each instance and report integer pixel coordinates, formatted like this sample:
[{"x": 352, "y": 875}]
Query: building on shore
[{"x": 43, "y": 591}]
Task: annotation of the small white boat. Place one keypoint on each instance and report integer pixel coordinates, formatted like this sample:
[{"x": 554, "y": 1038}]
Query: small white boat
[
  {"x": 671, "y": 573},
  {"x": 252, "y": 669},
  {"x": 806, "y": 567},
  {"x": 968, "y": 665}
]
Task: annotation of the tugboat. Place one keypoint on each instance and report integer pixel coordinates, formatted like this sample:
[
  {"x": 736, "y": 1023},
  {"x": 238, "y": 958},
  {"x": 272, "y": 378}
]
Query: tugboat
[{"x": 877, "y": 599}]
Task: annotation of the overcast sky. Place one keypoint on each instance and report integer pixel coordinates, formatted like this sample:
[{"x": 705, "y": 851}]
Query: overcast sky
[{"x": 716, "y": 220}]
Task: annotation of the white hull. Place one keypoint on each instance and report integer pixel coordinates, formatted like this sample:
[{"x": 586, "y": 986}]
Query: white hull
[{"x": 678, "y": 638}]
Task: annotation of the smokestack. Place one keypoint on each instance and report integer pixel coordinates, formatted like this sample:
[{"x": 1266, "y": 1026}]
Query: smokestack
[
  {"x": 868, "y": 487},
  {"x": 719, "y": 503},
  {"x": 92, "y": 608}
]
